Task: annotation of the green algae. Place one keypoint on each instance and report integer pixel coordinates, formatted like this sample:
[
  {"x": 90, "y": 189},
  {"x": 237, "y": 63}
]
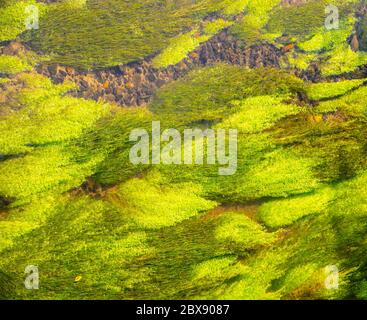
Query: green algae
[{"x": 148, "y": 232}]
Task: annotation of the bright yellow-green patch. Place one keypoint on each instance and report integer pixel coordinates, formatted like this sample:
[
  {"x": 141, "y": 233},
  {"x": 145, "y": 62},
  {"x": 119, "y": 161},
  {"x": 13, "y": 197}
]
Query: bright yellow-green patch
[
  {"x": 259, "y": 113},
  {"x": 343, "y": 60},
  {"x": 327, "y": 40},
  {"x": 301, "y": 60},
  {"x": 324, "y": 90},
  {"x": 238, "y": 230},
  {"x": 281, "y": 213},
  {"x": 352, "y": 102},
  {"x": 213, "y": 268},
  {"x": 40, "y": 171},
  {"x": 46, "y": 115},
  {"x": 12, "y": 65},
  {"x": 235, "y": 6},
  {"x": 163, "y": 206},
  {"x": 178, "y": 49},
  {"x": 182, "y": 45}
]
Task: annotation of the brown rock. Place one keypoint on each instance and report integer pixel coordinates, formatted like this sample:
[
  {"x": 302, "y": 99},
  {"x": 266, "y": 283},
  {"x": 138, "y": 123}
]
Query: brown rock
[
  {"x": 70, "y": 71},
  {"x": 135, "y": 83},
  {"x": 354, "y": 43},
  {"x": 14, "y": 48}
]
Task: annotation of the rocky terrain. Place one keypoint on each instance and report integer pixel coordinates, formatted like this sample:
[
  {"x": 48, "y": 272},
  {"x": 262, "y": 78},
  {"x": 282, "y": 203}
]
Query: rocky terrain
[{"x": 135, "y": 83}]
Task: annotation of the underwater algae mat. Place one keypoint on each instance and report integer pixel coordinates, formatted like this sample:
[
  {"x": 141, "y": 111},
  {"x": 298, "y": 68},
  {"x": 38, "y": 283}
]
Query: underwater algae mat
[{"x": 99, "y": 227}]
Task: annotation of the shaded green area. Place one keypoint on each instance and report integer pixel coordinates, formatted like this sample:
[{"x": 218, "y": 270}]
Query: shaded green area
[
  {"x": 305, "y": 19},
  {"x": 362, "y": 33},
  {"x": 109, "y": 138},
  {"x": 91, "y": 33}
]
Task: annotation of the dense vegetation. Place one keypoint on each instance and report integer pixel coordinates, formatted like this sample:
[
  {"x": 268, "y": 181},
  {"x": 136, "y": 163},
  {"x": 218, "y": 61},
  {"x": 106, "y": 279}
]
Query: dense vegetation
[{"x": 99, "y": 227}]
